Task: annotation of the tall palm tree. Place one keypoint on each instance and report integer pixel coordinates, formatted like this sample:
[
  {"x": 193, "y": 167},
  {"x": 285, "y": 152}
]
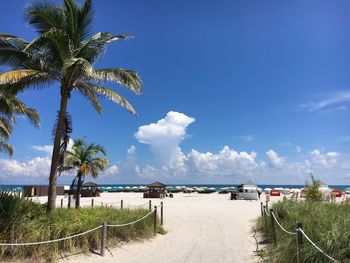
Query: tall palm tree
[
  {"x": 10, "y": 108},
  {"x": 64, "y": 52},
  {"x": 82, "y": 158}
]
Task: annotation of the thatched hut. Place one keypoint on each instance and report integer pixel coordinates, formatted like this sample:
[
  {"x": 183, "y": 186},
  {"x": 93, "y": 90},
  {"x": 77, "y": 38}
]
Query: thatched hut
[{"x": 155, "y": 190}]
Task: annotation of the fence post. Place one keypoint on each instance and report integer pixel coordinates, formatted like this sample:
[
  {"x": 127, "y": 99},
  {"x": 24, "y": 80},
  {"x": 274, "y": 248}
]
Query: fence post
[
  {"x": 61, "y": 202},
  {"x": 150, "y": 205},
  {"x": 273, "y": 228},
  {"x": 69, "y": 200},
  {"x": 92, "y": 202},
  {"x": 261, "y": 209},
  {"x": 265, "y": 221},
  {"x": 103, "y": 239},
  {"x": 121, "y": 204},
  {"x": 267, "y": 205},
  {"x": 155, "y": 221},
  {"x": 300, "y": 240},
  {"x": 161, "y": 213}
]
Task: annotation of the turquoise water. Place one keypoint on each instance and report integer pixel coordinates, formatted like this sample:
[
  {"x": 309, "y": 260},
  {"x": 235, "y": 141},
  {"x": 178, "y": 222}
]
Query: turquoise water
[{"x": 216, "y": 186}]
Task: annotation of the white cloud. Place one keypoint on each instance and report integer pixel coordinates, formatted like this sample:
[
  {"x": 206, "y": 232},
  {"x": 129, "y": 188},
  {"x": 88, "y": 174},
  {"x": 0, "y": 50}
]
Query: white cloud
[
  {"x": 298, "y": 149},
  {"x": 324, "y": 159},
  {"x": 275, "y": 161},
  {"x": 227, "y": 162},
  {"x": 47, "y": 149},
  {"x": 164, "y": 138},
  {"x": 112, "y": 170},
  {"x": 36, "y": 167},
  {"x": 337, "y": 100}
]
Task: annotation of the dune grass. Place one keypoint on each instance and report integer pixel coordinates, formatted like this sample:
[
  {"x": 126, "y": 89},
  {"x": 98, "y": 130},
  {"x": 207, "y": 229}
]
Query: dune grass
[
  {"x": 22, "y": 221},
  {"x": 327, "y": 224}
]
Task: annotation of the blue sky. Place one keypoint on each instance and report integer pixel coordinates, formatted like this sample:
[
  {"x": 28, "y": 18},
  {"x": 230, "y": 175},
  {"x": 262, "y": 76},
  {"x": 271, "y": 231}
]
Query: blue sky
[{"x": 256, "y": 76}]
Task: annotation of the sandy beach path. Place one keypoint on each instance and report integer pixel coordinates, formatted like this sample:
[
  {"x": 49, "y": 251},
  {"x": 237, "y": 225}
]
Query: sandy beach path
[{"x": 200, "y": 228}]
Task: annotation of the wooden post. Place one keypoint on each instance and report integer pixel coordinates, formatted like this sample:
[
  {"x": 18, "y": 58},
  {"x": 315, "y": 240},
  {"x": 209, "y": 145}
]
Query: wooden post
[
  {"x": 103, "y": 239},
  {"x": 261, "y": 209},
  {"x": 69, "y": 200},
  {"x": 92, "y": 202},
  {"x": 273, "y": 230},
  {"x": 155, "y": 221},
  {"x": 61, "y": 202},
  {"x": 121, "y": 204},
  {"x": 161, "y": 213},
  {"x": 267, "y": 205},
  {"x": 300, "y": 240},
  {"x": 150, "y": 205},
  {"x": 265, "y": 221}
]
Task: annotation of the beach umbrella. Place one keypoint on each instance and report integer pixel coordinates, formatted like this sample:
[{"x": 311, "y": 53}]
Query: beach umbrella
[{"x": 267, "y": 190}]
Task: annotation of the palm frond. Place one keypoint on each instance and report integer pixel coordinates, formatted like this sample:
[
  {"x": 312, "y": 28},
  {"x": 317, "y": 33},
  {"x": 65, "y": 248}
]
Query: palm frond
[
  {"x": 90, "y": 95},
  {"x": 16, "y": 75},
  {"x": 12, "y": 57},
  {"x": 45, "y": 15},
  {"x": 5, "y": 128},
  {"x": 113, "y": 96},
  {"x": 126, "y": 78},
  {"x": 94, "y": 47},
  {"x": 6, "y": 147}
]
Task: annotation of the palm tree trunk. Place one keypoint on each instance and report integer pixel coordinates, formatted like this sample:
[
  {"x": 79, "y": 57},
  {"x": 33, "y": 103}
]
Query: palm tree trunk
[
  {"x": 77, "y": 196},
  {"x": 51, "y": 202}
]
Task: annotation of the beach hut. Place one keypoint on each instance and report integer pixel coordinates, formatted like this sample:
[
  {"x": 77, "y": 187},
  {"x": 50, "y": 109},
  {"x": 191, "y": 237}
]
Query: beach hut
[
  {"x": 155, "y": 190},
  {"x": 90, "y": 189},
  {"x": 40, "y": 190},
  {"x": 248, "y": 191}
]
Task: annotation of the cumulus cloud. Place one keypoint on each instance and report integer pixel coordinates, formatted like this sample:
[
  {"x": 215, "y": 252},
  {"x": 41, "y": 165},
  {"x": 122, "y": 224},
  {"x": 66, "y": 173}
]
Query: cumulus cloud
[
  {"x": 36, "y": 167},
  {"x": 324, "y": 159},
  {"x": 274, "y": 160},
  {"x": 227, "y": 162},
  {"x": 164, "y": 138}
]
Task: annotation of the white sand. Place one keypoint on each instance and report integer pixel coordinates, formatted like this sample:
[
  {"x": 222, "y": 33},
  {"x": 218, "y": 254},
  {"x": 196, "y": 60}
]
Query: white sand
[{"x": 200, "y": 228}]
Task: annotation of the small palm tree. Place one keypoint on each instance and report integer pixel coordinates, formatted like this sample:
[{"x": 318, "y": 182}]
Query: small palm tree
[
  {"x": 64, "y": 52},
  {"x": 82, "y": 159},
  {"x": 10, "y": 108}
]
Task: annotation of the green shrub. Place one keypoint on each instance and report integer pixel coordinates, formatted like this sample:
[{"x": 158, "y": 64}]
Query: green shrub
[
  {"x": 23, "y": 221},
  {"x": 327, "y": 224},
  {"x": 312, "y": 192}
]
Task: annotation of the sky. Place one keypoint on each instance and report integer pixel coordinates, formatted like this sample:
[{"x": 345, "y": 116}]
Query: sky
[{"x": 232, "y": 90}]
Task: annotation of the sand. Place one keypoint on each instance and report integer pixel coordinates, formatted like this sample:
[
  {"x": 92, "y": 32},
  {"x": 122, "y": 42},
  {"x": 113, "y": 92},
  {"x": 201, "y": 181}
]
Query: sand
[{"x": 200, "y": 228}]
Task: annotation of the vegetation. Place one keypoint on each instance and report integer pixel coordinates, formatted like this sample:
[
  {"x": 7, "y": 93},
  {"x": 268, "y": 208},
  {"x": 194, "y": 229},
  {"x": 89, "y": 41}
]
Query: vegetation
[
  {"x": 64, "y": 52},
  {"x": 10, "y": 108},
  {"x": 24, "y": 221},
  {"x": 312, "y": 191},
  {"x": 82, "y": 159},
  {"x": 327, "y": 224}
]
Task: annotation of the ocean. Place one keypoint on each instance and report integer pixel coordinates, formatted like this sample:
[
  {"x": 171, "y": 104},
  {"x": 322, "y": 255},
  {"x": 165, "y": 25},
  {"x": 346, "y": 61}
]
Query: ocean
[{"x": 216, "y": 186}]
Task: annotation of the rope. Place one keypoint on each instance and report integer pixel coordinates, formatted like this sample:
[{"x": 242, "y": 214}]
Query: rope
[
  {"x": 50, "y": 241},
  {"x": 319, "y": 249},
  {"x": 105, "y": 203},
  {"x": 278, "y": 223},
  {"x": 131, "y": 223},
  {"x": 266, "y": 212}
]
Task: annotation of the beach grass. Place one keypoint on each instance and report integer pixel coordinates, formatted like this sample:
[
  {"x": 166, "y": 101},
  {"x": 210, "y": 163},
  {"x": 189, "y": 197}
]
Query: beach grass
[
  {"x": 23, "y": 221},
  {"x": 327, "y": 224}
]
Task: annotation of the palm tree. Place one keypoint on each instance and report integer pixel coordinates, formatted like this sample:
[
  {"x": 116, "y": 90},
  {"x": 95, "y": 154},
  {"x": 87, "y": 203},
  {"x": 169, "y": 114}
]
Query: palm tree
[
  {"x": 10, "y": 108},
  {"x": 82, "y": 158},
  {"x": 64, "y": 52}
]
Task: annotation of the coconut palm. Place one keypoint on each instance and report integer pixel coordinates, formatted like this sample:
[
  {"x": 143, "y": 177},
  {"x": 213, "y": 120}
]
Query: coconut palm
[
  {"x": 82, "y": 159},
  {"x": 10, "y": 108},
  {"x": 64, "y": 52}
]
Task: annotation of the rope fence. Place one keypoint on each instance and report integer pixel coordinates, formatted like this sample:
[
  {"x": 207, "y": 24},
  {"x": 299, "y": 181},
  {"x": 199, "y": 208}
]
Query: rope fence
[
  {"x": 299, "y": 233},
  {"x": 104, "y": 228}
]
